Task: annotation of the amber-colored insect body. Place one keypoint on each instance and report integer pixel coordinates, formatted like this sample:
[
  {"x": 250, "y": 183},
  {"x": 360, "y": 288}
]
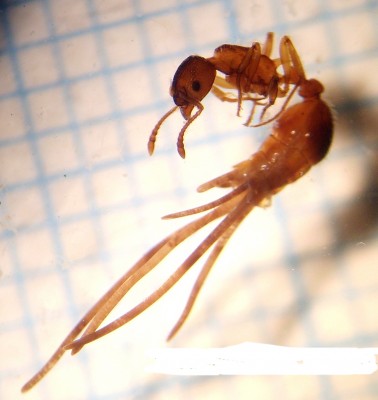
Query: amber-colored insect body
[
  {"x": 300, "y": 138},
  {"x": 249, "y": 70}
]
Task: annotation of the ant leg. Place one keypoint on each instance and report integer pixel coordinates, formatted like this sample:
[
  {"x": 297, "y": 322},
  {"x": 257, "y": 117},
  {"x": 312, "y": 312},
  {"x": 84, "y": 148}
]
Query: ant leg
[
  {"x": 272, "y": 95},
  {"x": 268, "y": 45},
  {"x": 298, "y": 67},
  {"x": 287, "y": 100},
  {"x": 251, "y": 114},
  {"x": 291, "y": 63},
  {"x": 249, "y": 65},
  {"x": 219, "y": 83},
  {"x": 230, "y": 97},
  {"x": 223, "y": 96},
  {"x": 223, "y": 83}
]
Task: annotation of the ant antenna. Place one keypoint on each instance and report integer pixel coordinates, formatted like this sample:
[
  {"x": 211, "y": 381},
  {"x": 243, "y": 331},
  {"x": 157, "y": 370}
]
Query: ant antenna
[{"x": 152, "y": 139}]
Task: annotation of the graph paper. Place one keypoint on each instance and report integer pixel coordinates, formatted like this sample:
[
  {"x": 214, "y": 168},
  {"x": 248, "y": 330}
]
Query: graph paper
[{"x": 82, "y": 84}]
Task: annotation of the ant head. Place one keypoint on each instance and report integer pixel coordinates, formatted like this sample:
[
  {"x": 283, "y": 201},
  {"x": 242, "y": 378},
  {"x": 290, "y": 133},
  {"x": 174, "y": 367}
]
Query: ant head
[{"x": 192, "y": 81}]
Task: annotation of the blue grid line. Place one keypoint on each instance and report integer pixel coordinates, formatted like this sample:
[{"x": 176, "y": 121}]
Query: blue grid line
[
  {"x": 283, "y": 26},
  {"x": 104, "y": 26},
  {"x": 326, "y": 16},
  {"x": 291, "y": 257},
  {"x": 335, "y": 61},
  {"x": 75, "y": 128},
  {"x": 338, "y": 62},
  {"x": 19, "y": 277},
  {"x": 136, "y": 198},
  {"x": 42, "y": 185}
]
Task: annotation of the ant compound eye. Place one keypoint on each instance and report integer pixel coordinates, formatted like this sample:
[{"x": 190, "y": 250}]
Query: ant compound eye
[{"x": 196, "y": 86}]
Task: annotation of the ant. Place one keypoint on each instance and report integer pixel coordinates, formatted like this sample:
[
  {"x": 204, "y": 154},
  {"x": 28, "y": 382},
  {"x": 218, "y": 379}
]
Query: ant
[
  {"x": 301, "y": 136},
  {"x": 249, "y": 70}
]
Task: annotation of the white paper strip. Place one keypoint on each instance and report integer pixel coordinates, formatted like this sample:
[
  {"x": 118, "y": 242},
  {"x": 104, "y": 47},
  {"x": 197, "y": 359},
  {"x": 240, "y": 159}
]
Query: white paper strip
[{"x": 264, "y": 359}]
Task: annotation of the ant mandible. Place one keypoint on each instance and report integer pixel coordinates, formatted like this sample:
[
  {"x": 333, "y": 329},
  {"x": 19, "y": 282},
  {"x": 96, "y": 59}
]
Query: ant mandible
[
  {"x": 249, "y": 70},
  {"x": 300, "y": 138}
]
